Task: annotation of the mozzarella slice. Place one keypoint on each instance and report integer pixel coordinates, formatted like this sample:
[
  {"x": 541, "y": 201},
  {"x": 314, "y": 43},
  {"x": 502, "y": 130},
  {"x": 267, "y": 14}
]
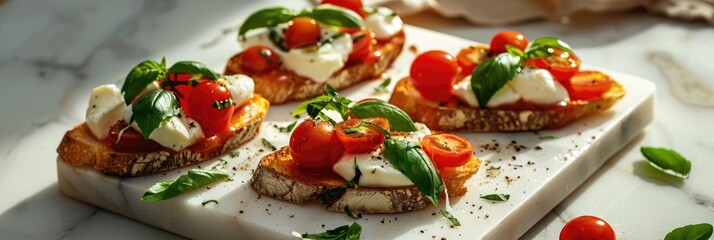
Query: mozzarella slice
[
  {"x": 106, "y": 106},
  {"x": 317, "y": 65},
  {"x": 505, "y": 95},
  {"x": 241, "y": 87},
  {"x": 462, "y": 90},
  {"x": 539, "y": 86},
  {"x": 384, "y": 23},
  {"x": 176, "y": 133}
]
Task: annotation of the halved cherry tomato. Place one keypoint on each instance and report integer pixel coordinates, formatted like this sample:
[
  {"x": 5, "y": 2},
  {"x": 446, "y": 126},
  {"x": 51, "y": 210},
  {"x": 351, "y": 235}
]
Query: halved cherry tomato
[
  {"x": 210, "y": 106},
  {"x": 561, "y": 64},
  {"x": 130, "y": 140},
  {"x": 469, "y": 58},
  {"x": 503, "y": 38},
  {"x": 259, "y": 59},
  {"x": 301, "y": 32},
  {"x": 361, "y": 139},
  {"x": 588, "y": 85},
  {"x": 315, "y": 147},
  {"x": 433, "y": 73},
  {"x": 181, "y": 86},
  {"x": 447, "y": 150},
  {"x": 354, "y": 5},
  {"x": 587, "y": 228},
  {"x": 362, "y": 47}
]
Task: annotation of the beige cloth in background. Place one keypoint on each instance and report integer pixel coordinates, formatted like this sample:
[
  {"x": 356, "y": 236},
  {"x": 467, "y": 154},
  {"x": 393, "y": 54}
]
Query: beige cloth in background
[{"x": 495, "y": 12}]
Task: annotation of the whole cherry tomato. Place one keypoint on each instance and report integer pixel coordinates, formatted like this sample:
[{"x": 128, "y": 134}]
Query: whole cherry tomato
[
  {"x": 315, "y": 147},
  {"x": 181, "y": 85},
  {"x": 469, "y": 58},
  {"x": 587, "y": 228},
  {"x": 302, "y": 32},
  {"x": 503, "y": 38},
  {"x": 259, "y": 59},
  {"x": 211, "y": 106},
  {"x": 561, "y": 64},
  {"x": 447, "y": 150},
  {"x": 588, "y": 85},
  {"x": 354, "y": 5},
  {"x": 358, "y": 139},
  {"x": 433, "y": 74}
]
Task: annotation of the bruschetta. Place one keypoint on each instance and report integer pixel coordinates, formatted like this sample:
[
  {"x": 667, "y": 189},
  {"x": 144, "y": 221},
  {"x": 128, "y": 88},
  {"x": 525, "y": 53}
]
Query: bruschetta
[
  {"x": 164, "y": 118},
  {"x": 509, "y": 85}
]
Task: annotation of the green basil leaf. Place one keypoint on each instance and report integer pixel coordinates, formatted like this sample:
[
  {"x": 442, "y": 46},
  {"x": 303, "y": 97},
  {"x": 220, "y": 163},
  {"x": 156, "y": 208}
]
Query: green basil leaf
[
  {"x": 302, "y": 108},
  {"x": 515, "y": 51},
  {"x": 398, "y": 119},
  {"x": 496, "y": 197},
  {"x": 195, "y": 178},
  {"x": 539, "y": 47},
  {"x": 194, "y": 68},
  {"x": 268, "y": 144},
  {"x": 337, "y": 17},
  {"x": 490, "y": 76},
  {"x": 288, "y": 129},
  {"x": 382, "y": 88},
  {"x": 408, "y": 159},
  {"x": 349, "y": 213},
  {"x": 332, "y": 101},
  {"x": 700, "y": 231},
  {"x": 451, "y": 218},
  {"x": 152, "y": 109},
  {"x": 667, "y": 161},
  {"x": 344, "y": 232},
  {"x": 267, "y": 17},
  {"x": 214, "y": 201},
  {"x": 338, "y": 191},
  {"x": 141, "y": 76}
]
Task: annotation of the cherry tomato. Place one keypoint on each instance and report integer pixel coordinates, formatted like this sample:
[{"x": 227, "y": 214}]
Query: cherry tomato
[
  {"x": 130, "y": 140},
  {"x": 259, "y": 59},
  {"x": 354, "y": 5},
  {"x": 207, "y": 106},
  {"x": 315, "y": 146},
  {"x": 469, "y": 58},
  {"x": 561, "y": 64},
  {"x": 447, "y": 150},
  {"x": 503, "y": 38},
  {"x": 363, "y": 48},
  {"x": 587, "y": 228},
  {"x": 433, "y": 73},
  {"x": 587, "y": 85},
  {"x": 361, "y": 139},
  {"x": 301, "y": 32},
  {"x": 181, "y": 85}
]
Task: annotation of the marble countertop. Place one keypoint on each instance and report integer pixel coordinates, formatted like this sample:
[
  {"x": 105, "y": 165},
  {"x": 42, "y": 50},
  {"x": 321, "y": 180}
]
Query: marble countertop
[{"x": 53, "y": 53}]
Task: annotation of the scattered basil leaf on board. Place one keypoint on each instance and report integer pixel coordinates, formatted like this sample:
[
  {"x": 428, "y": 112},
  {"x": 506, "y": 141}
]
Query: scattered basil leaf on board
[
  {"x": 702, "y": 231},
  {"x": 336, "y": 17},
  {"x": 268, "y": 145},
  {"x": 667, "y": 161},
  {"x": 451, "y": 218},
  {"x": 549, "y": 137},
  {"x": 288, "y": 128},
  {"x": 408, "y": 159},
  {"x": 194, "y": 68},
  {"x": 398, "y": 119},
  {"x": 141, "y": 76},
  {"x": 267, "y": 17},
  {"x": 496, "y": 197},
  {"x": 539, "y": 47},
  {"x": 153, "y": 108},
  {"x": 351, "y": 232},
  {"x": 382, "y": 88},
  {"x": 195, "y": 178},
  {"x": 490, "y": 76},
  {"x": 214, "y": 201}
]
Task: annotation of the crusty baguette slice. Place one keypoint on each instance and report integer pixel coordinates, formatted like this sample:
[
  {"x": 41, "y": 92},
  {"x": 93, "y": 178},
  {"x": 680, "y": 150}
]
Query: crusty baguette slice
[
  {"x": 278, "y": 177},
  {"x": 80, "y": 147},
  {"x": 449, "y": 119},
  {"x": 281, "y": 85}
]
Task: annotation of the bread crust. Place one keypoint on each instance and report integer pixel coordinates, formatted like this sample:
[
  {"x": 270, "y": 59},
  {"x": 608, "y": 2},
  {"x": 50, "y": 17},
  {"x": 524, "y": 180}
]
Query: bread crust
[
  {"x": 281, "y": 85},
  {"x": 80, "y": 147},
  {"x": 465, "y": 118},
  {"x": 276, "y": 176}
]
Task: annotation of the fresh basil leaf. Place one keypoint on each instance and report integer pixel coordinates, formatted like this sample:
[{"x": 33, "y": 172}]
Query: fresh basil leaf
[
  {"x": 496, "y": 197},
  {"x": 382, "y": 88},
  {"x": 288, "y": 129},
  {"x": 667, "y": 161},
  {"x": 337, "y": 17},
  {"x": 490, "y": 76},
  {"x": 277, "y": 40},
  {"x": 344, "y": 232},
  {"x": 539, "y": 47},
  {"x": 398, "y": 119},
  {"x": 515, "y": 51},
  {"x": 194, "y": 68},
  {"x": 267, "y": 17},
  {"x": 268, "y": 144},
  {"x": 408, "y": 159},
  {"x": 152, "y": 109},
  {"x": 302, "y": 108},
  {"x": 549, "y": 137},
  {"x": 214, "y": 201},
  {"x": 702, "y": 231},
  {"x": 349, "y": 213},
  {"x": 331, "y": 194},
  {"x": 195, "y": 178},
  {"x": 141, "y": 76},
  {"x": 451, "y": 218},
  {"x": 332, "y": 101}
]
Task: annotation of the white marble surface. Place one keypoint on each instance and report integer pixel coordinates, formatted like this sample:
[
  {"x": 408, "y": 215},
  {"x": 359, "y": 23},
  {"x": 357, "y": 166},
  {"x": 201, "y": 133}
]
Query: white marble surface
[{"x": 53, "y": 53}]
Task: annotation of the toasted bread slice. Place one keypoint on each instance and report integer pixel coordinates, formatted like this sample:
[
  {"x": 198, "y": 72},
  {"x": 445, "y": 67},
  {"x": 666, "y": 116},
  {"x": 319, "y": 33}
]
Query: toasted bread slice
[
  {"x": 445, "y": 118},
  {"x": 281, "y": 85},
  {"x": 277, "y": 176},
  {"x": 80, "y": 147}
]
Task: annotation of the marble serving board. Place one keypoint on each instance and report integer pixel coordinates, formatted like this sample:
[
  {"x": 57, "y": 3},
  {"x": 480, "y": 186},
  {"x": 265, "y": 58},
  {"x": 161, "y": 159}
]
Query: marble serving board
[{"x": 538, "y": 170}]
